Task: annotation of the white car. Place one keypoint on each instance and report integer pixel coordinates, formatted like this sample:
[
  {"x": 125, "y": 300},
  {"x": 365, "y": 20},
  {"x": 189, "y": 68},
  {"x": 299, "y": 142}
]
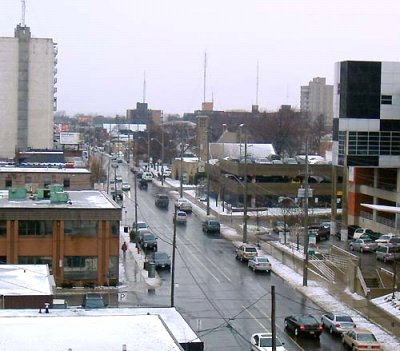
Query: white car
[
  {"x": 181, "y": 217},
  {"x": 126, "y": 186},
  {"x": 337, "y": 323},
  {"x": 384, "y": 239},
  {"x": 260, "y": 263},
  {"x": 263, "y": 342},
  {"x": 148, "y": 176},
  {"x": 183, "y": 205}
]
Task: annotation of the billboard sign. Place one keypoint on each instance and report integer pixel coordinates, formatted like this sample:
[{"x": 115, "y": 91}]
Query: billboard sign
[{"x": 68, "y": 138}]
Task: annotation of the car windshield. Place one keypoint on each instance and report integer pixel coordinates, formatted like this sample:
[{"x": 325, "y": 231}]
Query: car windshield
[
  {"x": 160, "y": 255},
  {"x": 251, "y": 249},
  {"x": 141, "y": 225},
  {"x": 368, "y": 241},
  {"x": 344, "y": 319},
  {"x": 149, "y": 236},
  {"x": 384, "y": 237},
  {"x": 307, "y": 320},
  {"x": 182, "y": 214},
  {"x": 366, "y": 337},
  {"x": 267, "y": 342},
  {"x": 213, "y": 222},
  {"x": 262, "y": 259}
]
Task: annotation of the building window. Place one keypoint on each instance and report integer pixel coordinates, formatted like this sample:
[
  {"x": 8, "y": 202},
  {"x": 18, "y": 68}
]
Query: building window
[
  {"x": 115, "y": 228},
  {"x": 386, "y": 99},
  {"x": 83, "y": 228},
  {"x": 80, "y": 267},
  {"x": 36, "y": 260},
  {"x": 35, "y": 227},
  {"x": 67, "y": 183},
  {"x": 8, "y": 183},
  {"x": 113, "y": 262},
  {"x": 3, "y": 259},
  {"x": 3, "y": 227}
]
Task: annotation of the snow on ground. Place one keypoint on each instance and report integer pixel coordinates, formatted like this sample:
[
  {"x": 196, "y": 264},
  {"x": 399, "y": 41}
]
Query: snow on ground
[{"x": 387, "y": 303}]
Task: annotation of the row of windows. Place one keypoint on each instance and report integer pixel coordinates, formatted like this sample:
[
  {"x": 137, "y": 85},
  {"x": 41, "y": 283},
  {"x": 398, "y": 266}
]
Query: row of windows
[
  {"x": 46, "y": 182},
  {"x": 370, "y": 143},
  {"x": 71, "y": 228}
]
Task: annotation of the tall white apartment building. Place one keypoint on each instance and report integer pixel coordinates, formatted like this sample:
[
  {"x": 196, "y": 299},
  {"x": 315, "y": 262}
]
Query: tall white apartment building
[
  {"x": 27, "y": 92},
  {"x": 316, "y": 98}
]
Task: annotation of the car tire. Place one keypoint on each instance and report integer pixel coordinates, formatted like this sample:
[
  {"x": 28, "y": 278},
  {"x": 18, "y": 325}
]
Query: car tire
[
  {"x": 384, "y": 260},
  {"x": 285, "y": 323},
  {"x": 296, "y": 332},
  {"x": 361, "y": 250},
  {"x": 241, "y": 258},
  {"x": 237, "y": 257},
  {"x": 331, "y": 329},
  {"x": 353, "y": 348},
  {"x": 351, "y": 248},
  {"x": 254, "y": 269}
]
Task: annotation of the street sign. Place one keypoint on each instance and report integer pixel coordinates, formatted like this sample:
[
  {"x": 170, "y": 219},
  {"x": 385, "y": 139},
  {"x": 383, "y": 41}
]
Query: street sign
[{"x": 121, "y": 297}]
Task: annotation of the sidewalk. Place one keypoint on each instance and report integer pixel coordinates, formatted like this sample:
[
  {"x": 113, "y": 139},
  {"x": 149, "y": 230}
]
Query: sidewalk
[{"x": 329, "y": 297}]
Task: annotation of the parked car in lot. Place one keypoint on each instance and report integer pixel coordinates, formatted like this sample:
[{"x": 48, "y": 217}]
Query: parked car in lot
[
  {"x": 260, "y": 263},
  {"x": 160, "y": 259},
  {"x": 303, "y": 324},
  {"x": 395, "y": 241},
  {"x": 337, "y": 323},
  {"x": 384, "y": 239},
  {"x": 161, "y": 201},
  {"x": 147, "y": 240},
  {"x": 211, "y": 226},
  {"x": 350, "y": 230},
  {"x": 263, "y": 342},
  {"x": 360, "y": 231},
  {"x": 93, "y": 301},
  {"x": 360, "y": 339},
  {"x": 245, "y": 252},
  {"x": 363, "y": 245},
  {"x": 388, "y": 253},
  {"x": 181, "y": 217},
  {"x": 323, "y": 232},
  {"x": 183, "y": 205}
]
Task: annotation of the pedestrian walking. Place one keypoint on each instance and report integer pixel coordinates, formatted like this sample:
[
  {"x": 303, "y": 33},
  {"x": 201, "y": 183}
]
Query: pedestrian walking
[{"x": 124, "y": 247}]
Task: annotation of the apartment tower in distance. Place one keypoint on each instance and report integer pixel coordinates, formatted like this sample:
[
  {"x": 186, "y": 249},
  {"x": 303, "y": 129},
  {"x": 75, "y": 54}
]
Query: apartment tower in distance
[
  {"x": 316, "y": 98},
  {"x": 366, "y": 139},
  {"x": 27, "y": 92}
]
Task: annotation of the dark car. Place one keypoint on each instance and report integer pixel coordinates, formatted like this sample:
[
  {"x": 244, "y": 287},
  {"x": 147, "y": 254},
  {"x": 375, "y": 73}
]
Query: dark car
[
  {"x": 161, "y": 201},
  {"x": 147, "y": 240},
  {"x": 350, "y": 230},
  {"x": 160, "y": 259},
  {"x": 323, "y": 232},
  {"x": 92, "y": 301},
  {"x": 211, "y": 226},
  {"x": 303, "y": 324},
  {"x": 143, "y": 185}
]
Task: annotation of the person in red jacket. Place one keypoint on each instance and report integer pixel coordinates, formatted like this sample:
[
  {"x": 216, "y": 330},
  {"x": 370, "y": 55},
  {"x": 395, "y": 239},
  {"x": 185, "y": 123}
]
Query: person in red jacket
[{"x": 124, "y": 247}]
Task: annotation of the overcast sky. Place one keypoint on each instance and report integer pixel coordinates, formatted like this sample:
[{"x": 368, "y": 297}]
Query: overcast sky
[{"x": 106, "y": 46}]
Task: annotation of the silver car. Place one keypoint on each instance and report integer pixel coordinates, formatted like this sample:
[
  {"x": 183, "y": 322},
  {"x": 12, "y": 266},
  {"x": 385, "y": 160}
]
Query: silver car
[
  {"x": 260, "y": 263},
  {"x": 363, "y": 245},
  {"x": 388, "y": 252},
  {"x": 337, "y": 323}
]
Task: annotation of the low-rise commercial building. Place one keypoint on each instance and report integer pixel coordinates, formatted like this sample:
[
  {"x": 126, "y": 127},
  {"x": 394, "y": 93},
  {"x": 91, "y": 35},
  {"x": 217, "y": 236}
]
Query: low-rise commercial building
[{"x": 76, "y": 233}]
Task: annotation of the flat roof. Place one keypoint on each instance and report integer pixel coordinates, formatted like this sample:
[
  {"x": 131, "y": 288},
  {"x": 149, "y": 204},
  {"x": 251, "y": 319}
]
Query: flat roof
[
  {"x": 102, "y": 329},
  {"x": 25, "y": 279},
  {"x": 43, "y": 170},
  {"x": 80, "y": 199}
]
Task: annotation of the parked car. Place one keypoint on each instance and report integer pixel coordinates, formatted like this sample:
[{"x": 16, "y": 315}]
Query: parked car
[
  {"x": 337, "y": 323},
  {"x": 360, "y": 339},
  {"x": 92, "y": 301},
  {"x": 323, "y": 232},
  {"x": 360, "y": 231},
  {"x": 183, "y": 205},
  {"x": 395, "y": 241},
  {"x": 303, "y": 324},
  {"x": 350, "y": 230},
  {"x": 211, "y": 226},
  {"x": 263, "y": 342},
  {"x": 126, "y": 186},
  {"x": 388, "y": 252},
  {"x": 245, "y": 252},
  {"x": 147, "y": 176},
  {"x": 161, "y": 201},
  {"x": 363, "y": 245},
  {"x": 181, "y": 217},
  {"x": 147, "y": 240},
  {"x": 384, "y": 239},
  {"x": 119, "y": 179},
  {"x": 160, "y": 259},
  {"x": 280, "y": 226},
  {"x": 140, "y": 225},
  {"x": 143, "y": 184},
  {"x": 260, "y": 263}
]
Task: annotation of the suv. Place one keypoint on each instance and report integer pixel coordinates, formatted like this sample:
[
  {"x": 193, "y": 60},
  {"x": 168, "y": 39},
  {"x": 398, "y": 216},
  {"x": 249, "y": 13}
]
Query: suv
[
  {"x": 162, "y": 201},
  {"x": 245, "y": 252},
  {"x": 93, "y": 300},
  {"x": 211, "y": 225},
  {"x": 147, "y": 240}
]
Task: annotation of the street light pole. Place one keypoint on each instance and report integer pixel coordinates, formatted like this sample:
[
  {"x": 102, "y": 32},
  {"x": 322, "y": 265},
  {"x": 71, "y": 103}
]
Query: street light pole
[
  {"x": 181, "y": 170},
  {"x": 207, "y": 172},
  {"x": 306, "y": 238},
  {"x": 245, "y": 217},
  {"x": 162, "y": 149}
]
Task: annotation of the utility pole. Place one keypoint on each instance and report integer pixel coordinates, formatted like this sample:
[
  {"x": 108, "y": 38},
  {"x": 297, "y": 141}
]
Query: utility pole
[
  {"x": 306, "y": 238},
  {"x": 162, "y": 148},
  {"x": 245, "y": 191},
  {"x": 181, "y": 170},
  {"x": 135, "y": 185},
  {"x": 207, "y": 172},
  {"x": 173, "y": 261},
  {"x": 273, "y": 326}
]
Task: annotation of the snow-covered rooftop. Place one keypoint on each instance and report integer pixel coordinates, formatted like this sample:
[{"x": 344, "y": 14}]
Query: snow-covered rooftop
[
  {"x": 28, "y": 279},
  {"x": 103, "y": 329},
  {"x": 43, "y": 170},
  {"x": 80, "y": 199}
]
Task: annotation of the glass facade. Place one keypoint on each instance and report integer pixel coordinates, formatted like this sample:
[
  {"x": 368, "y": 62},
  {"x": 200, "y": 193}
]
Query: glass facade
[
  {"x": 36, "y": 260},
  {"x": 82, "y": 228},
  {"x": 80, "y": 267},
  {"x": 3, "y": 227}
]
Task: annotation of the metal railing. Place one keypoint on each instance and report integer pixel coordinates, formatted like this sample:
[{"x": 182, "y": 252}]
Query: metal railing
[{"x": 362, "y": 282}]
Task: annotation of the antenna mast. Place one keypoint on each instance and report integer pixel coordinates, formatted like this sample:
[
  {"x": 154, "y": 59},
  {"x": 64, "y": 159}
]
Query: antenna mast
[
  {"x": 257, "y": 85},
  {"x": 144, "y": 87},
  {"x": 23, "y": 13},
  {"x": 205, "y": 76}
]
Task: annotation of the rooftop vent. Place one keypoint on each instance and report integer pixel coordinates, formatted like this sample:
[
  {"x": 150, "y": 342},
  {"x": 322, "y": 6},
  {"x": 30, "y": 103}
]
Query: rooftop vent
[
  {"x": 16, "y": 194},
  {"x": 59, "y": 197}
]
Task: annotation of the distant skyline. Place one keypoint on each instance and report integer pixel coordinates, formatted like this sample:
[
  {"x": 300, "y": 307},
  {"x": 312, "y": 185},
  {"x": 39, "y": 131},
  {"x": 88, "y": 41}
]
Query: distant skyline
[{"x": 105, "y": 47}]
